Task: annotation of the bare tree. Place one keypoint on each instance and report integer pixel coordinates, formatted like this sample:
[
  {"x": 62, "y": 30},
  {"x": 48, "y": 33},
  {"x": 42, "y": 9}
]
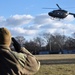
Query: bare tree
[
  {"x": 70, "y": 43},
  {"x": 32, "y": 46},
  {"x": 54, "y": 41},
  {"x": 21, "y": 40},
  {"x": 47, "y": 37},
  {"x": 73, "y": 35},
  {"x": 40, "y": 41}
]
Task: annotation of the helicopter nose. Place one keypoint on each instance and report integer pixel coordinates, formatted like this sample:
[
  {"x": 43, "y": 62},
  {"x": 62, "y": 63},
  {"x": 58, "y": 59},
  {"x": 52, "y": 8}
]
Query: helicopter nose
[{"x": 50, "y": 14}]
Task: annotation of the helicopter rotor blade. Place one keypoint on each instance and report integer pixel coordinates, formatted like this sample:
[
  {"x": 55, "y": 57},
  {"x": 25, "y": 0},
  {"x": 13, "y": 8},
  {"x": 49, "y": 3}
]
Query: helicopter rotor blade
[
  {"x": 49, "y": 8},
  {"x": 58, "y": 6}
]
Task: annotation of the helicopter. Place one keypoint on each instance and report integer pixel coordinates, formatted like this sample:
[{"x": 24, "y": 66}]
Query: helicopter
[{"x": 59, "y": 13}]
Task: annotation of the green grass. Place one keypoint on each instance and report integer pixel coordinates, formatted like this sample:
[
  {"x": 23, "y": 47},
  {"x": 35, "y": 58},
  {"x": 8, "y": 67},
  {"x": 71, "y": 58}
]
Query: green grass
[{"x": 57, "y": 69}]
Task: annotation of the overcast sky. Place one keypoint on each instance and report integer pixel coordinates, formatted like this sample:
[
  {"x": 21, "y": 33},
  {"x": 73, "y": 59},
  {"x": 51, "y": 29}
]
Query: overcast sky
[{"x": 27, "y": 18}]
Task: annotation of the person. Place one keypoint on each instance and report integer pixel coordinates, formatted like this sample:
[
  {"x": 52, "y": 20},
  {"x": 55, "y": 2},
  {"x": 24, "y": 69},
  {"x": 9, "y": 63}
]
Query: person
[{"x": 17, "y": 62}]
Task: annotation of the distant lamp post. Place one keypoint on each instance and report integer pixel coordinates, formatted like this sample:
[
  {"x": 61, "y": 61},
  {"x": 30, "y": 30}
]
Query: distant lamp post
[{"x": 50, "y": 44}]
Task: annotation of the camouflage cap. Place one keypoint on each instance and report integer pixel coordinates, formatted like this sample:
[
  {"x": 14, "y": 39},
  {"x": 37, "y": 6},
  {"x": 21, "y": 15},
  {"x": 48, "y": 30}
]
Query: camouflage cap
[{"x": 5, "y": 37}]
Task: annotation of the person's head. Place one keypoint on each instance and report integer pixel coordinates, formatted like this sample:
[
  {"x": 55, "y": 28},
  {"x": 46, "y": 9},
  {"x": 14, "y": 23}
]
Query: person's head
[{"x": 5, "y": 37}]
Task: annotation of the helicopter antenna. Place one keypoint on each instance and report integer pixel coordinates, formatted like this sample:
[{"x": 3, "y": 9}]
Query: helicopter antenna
[{"x": 58, "y": 6}]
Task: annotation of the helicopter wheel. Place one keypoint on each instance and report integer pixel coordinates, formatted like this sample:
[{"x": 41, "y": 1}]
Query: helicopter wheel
[
  {"x": 55, "y": 19},
  {"x": 52, "y": 18}
]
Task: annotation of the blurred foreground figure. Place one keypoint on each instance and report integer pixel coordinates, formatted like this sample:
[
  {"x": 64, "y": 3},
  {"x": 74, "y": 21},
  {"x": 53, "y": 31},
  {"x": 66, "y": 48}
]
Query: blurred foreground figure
[{"x": 18, "y": 62}]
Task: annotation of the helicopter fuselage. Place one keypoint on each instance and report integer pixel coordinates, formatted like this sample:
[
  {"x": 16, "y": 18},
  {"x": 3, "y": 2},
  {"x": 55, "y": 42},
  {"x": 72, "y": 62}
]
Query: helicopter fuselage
[{"x": 58, "y": 14}]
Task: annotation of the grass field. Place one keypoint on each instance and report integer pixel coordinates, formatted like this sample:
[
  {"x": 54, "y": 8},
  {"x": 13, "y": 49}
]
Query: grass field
[
  {"x": 56, "y": 69},
  {"x": 56, "y": 58}
]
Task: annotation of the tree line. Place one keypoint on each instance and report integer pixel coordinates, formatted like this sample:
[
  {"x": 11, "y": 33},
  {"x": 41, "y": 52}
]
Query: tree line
[{"x": 48, "y": 42}]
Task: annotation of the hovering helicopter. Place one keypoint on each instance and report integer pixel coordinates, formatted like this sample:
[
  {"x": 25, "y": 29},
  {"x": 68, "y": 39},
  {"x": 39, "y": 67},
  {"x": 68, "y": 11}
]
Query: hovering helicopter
[{"x": 60, "y": 13}]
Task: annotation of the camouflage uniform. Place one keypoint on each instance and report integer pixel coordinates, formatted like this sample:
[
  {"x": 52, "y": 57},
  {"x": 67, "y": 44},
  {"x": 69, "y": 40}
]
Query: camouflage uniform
[{"x": 16, "y": 63}]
